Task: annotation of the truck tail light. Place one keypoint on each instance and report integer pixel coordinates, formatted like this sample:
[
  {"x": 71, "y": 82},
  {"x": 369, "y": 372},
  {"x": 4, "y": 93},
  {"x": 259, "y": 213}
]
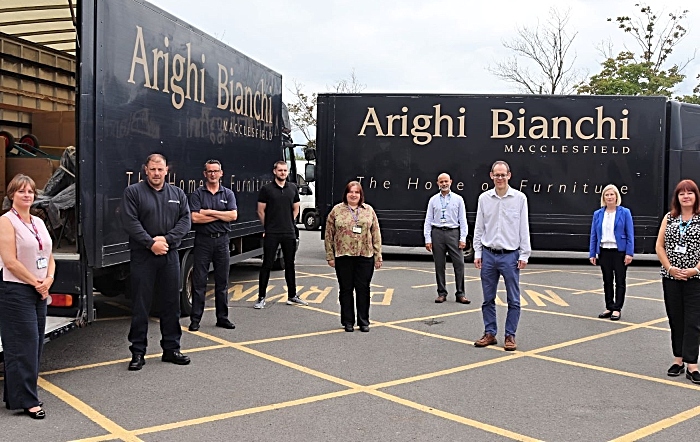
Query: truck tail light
[{"x": 60, "y": 300}]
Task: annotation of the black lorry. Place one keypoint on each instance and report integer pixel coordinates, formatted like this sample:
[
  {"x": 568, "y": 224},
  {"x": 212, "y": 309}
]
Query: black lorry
[
  {"x": 562, "y": 151},
  {"x": 148, "y": 82}
]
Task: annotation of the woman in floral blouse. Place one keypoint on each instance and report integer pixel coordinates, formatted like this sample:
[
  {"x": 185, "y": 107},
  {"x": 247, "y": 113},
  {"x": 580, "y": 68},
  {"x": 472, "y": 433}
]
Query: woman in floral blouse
[
  {"x": 354, "y": 249},
  {"x": 678, "y": 249}
]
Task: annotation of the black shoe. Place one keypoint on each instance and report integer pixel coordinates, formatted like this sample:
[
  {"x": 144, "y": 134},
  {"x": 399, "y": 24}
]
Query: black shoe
[
  {"x": 605, "y": 314},
  {"x": 40, "y": 414},
  {"x": 225, "y": 323},
  {"x": 194, "y": 325},
  {"x": 364, "y": 328},
  {"x": 694, "y": 376},
  {"x": 175, "y": 357},
  {"x": 349, "y": 328},
  {"x": 615, "y": 317},
  {"x": 137, "y": 362},
  {"x": 675, "y": 370}
]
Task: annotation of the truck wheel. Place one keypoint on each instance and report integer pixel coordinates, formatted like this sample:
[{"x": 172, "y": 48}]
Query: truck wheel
[
  {"x": 311, "y": 220},
  {"x": 278, "y": 264},
  {"x": 110, "y": 286},
  {"x": 469, "y": 251},
  {"x": 7, "y": 141},
  {"x": 186, "y": 289}
]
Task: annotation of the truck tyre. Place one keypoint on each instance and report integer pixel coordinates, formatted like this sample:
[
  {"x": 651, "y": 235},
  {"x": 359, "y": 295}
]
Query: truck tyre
[
  {"x": 109, "y": 286},
  {"x": 7, "y": 141},
  {"x": 469, "y": 251},
  {"x": 278, "y": 264},
  {"x": 186, "y": 289},
  {"x": 311, "y": 220}
]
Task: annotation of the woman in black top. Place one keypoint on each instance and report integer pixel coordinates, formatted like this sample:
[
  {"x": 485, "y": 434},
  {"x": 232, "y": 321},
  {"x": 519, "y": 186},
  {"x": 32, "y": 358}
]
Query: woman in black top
[{"x": 678, "y": 249}]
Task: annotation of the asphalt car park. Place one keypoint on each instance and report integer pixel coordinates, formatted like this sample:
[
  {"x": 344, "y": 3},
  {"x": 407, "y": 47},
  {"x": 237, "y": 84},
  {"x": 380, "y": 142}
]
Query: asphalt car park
[{"x": 292, "y": 373}]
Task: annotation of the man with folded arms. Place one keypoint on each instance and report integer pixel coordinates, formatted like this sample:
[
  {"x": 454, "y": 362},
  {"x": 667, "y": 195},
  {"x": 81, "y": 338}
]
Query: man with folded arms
[{"x": 213, "y": 208}]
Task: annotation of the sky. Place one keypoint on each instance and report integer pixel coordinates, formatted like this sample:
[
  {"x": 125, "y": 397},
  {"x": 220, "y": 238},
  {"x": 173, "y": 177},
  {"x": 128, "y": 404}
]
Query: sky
[{"x": 413, "y": 46}]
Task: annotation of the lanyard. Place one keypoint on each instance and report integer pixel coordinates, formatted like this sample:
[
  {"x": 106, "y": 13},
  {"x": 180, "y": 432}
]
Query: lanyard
[
  {"x": 35, "y": 232},
  {"x": 683, "y": 226},
  {"x": 355, "y": 216}
]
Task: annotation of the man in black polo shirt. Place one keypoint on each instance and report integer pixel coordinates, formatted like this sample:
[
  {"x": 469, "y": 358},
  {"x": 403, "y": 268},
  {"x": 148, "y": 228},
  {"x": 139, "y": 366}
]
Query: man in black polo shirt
[
  {"x": 156, "y": 217},
  {"x": 212, "y": 207},
  {"x": 278, "y": 207}
]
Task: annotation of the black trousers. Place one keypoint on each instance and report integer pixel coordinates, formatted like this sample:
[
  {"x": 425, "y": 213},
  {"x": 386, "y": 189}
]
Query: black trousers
[
  {"x": 612, "y": 265},
  {"x": 160, "y": 276},
  {"x": 206, "y": 251},
  {"x": 22, "y": 325},
  {"x": 447, "y": 242},
  {"x": 682, "y": 300},
  {"x": 289, "y": 249},
  {"x": 354, "y": 273}
]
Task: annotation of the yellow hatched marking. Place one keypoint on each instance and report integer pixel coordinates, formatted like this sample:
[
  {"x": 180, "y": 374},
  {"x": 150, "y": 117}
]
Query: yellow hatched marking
[
  {"x": 658, "y": 426},
  {"x": 245, "y": 412},
  {"x": 453, "y": 417},
  {"x": 89, "y": 412}
]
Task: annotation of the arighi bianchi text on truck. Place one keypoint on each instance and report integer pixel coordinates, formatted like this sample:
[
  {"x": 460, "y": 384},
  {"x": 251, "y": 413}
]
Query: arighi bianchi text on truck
[
  {"x": 562, "y": 151},
  {"x": 148, "y": 82}
]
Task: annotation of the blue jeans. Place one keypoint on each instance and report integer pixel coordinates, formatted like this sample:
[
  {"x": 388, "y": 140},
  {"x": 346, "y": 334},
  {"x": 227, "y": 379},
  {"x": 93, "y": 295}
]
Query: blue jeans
[{"x": 492, "y": 267}]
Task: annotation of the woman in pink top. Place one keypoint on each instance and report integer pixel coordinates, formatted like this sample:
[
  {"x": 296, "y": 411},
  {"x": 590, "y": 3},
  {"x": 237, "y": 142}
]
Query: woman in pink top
[{"x": 27, "y": 269}]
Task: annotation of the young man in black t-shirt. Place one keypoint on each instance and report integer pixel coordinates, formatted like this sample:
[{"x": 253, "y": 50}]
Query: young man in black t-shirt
[{"x": 278, "y": 207}]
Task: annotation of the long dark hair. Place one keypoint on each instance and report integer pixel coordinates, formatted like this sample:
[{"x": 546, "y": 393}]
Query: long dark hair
[
  {"x": 685, "y": 186},
  {"x": 350, "y": 186}
]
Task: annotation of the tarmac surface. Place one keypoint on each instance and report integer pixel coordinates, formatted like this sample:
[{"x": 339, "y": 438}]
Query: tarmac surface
[{"x": 289, "y": 373}]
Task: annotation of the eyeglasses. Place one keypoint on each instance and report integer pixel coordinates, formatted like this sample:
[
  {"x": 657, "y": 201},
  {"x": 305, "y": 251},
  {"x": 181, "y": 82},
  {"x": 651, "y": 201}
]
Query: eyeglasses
[
  {"x": 499, "y": 176},
  {"x": 212, "y": 171}
]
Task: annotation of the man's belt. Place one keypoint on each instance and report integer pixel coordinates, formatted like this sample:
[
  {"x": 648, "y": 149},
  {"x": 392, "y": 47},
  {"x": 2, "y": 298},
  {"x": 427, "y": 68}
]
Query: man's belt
[
  {"x": 499, "y": 251},
  {"x": 214, "y": 235},
  {"x": 445, "y": 228}
]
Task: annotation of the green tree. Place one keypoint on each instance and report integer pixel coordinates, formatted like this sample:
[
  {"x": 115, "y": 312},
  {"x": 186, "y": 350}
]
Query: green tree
[
  {"x": 695, "y": 98},
  {"x": 649, "y": 71},
  {"x": 624, "y": 76}
]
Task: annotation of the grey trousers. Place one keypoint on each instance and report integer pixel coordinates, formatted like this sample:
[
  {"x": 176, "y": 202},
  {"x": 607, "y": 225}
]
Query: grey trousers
[{"x": 444, "y": 242}]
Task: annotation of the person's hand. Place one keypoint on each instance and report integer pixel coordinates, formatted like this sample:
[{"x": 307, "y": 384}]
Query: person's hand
[
  {"x": 160, "y": 238},
  {"x": 429, "y": 246},
  {"x": 331, "y": 262},
  {"x": 522, "y": 264},
  {"x": 462, "y": 245},
  {"x": 42, "y": 287},
  {"x": 159, "y": 248},
  {"x": 628, "y": 260},
  {"x": 377, "y": 265},
  {"x": 593, "y": 261},
  {"x": 677, "y": 273},
  {"x": 477, "y": 263}
]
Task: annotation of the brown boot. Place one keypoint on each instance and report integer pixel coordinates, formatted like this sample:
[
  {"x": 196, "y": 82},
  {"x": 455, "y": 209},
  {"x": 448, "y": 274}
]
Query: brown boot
[
  {"x": 509, "y": 344},
  {"x": 487, "y": 339},
  {"x": 440, "y": 299}
]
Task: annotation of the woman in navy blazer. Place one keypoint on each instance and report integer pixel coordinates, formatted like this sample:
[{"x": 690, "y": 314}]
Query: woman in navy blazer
[{"x": 612, "y": 246}]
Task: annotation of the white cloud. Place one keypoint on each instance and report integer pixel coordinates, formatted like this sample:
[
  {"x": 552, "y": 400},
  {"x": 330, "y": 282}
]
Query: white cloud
[{"x": 408, "y": 46}]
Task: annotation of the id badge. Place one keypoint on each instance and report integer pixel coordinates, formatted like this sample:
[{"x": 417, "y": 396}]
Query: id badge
[
  {"x": 357, "y": 229},
  {"x": 42, "y": 263},
  {"x": 443, "y": 220},
  {"x": 679, "y": 249}
]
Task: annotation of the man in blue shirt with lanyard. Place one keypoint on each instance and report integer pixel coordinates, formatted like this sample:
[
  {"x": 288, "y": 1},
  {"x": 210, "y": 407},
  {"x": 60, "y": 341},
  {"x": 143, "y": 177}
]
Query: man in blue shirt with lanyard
[
  {"x": 212, "y": 207},
  {"x": 445, "y": 231}
]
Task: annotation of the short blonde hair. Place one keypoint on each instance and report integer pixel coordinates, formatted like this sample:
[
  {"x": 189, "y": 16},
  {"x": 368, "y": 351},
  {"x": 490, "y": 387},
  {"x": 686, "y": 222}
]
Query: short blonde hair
[{"x": 614, "y": 189}]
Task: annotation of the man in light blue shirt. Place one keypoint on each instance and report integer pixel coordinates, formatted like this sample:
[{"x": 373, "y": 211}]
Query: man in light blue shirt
[
  {"x": 445, "y": 231},
  {"x": 501, "y": 247}
]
